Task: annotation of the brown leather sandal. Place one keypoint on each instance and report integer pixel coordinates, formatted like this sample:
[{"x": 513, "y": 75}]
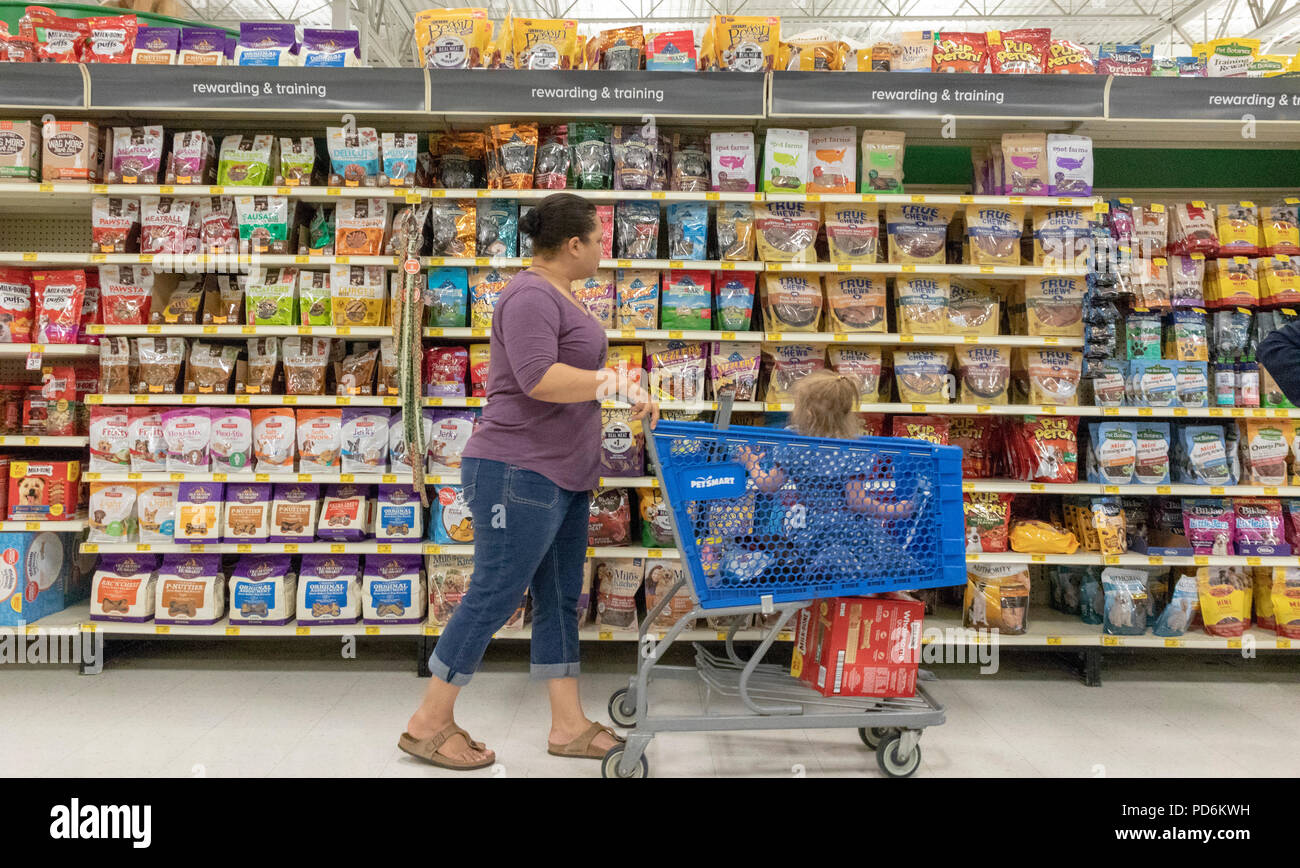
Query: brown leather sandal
[
  {"x": 427, "y": 749},
  {"x": 581, "y": 747}
]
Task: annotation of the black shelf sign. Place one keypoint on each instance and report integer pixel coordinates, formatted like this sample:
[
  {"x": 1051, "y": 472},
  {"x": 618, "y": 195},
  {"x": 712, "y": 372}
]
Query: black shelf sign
[
  {"x": 56, "y": 85},
  {"x": 596, "y": 93},
  {"x": 1217, "y": 99},
  {"x": 256, "y": 87},
  {"x": 899, "y": 94}
]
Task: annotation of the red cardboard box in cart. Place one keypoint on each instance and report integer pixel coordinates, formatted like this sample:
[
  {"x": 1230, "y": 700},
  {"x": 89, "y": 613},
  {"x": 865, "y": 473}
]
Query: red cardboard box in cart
[{"x": 859, "y": 646}]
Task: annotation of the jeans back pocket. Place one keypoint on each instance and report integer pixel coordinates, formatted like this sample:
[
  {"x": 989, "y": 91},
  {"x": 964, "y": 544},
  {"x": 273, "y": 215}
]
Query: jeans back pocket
[{"x": 533, "y": 489}]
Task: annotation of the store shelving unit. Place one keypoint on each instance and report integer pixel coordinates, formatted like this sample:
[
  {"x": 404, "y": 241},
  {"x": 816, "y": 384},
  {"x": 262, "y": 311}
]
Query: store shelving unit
[{"x": 1114, "y": 112}]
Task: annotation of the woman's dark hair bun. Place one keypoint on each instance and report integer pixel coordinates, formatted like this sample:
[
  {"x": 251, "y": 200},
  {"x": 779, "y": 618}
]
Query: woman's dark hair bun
[{"x": 556, "y": 219}]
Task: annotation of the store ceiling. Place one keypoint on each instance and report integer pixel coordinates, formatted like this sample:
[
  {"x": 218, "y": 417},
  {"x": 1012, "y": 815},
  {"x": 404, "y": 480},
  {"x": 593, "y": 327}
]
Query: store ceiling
[{"x": 1170, "y": 24}]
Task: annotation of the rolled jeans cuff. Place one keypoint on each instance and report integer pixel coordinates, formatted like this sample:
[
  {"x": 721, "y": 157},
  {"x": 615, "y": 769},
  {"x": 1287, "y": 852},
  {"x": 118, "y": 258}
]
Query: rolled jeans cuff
[
  {"x": 441, "y": 670},
  {"x": 553, "y": 670}
]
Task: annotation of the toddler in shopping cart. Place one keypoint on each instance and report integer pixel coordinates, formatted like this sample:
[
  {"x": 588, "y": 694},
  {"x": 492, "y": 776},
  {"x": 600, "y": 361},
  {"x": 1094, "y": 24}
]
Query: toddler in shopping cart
[{"x": 811, "y": 503}]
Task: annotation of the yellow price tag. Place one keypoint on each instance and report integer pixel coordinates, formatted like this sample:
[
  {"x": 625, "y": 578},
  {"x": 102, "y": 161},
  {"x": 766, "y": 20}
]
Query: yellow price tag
[
  {"x": 1038, "y": 559},
  {"x": 774, "y": 266},
  {"x": 728, "y": 336},
  {"x": 986, "y": 269},
  {"x": 388, "y": 478},
  {"x": 473, "y": 402},
  {"x": 385, "y": 549},
  {"x": 1215, "y": 489},
  {"x": 1111, "y": 641},
  {"x": 605, "y": 635},
  {"x": 624, "y": 263},
  {"x": 674, "y": 335},
  {"x": 812, "y": 197},
  {"x": 1174, "y": 643},
  {"x": 291, "y": 548},
  {"x": 591, "y": 552},
  {"x": 289, "y": 399},
  {"x": 1234, "y": 643},
  {"x": 971, "y": 339},
  {"x": 244, "y": 548},
  {"x": 1047, "y": 410},
  {"x": 772, "y": 336},
  {"x": 232, "y": 631},
  {"x": 773, "y": 407},
  {"x": 336, "y": 549},
  {"x": 1144, "y": 411},
  {"x": 1053, "y": 640},
  {"x": 29, "y": 257},
  {"x": 1283, "y": 643},
  {"x": 1238, "y": 412},
  {"x": 727, "y": 266},
  {"x": 1155, "y": 560},
  {"x": 32, "y": 525},
  {"x": 908, "y": 269},
  {"x": 432, "y": 550},
  {"x": 162, "y": 629},
  {"x": 1110, "y": 489},
  {"x": 654, "y": 553},
  {"x": 840, "y": 338},
  {"x": 372, "y": 631},
  {"x": 1051, "y": 342},
  {"x": 1180, "y": 411},
  {"x": 390, "y": 401},
  {"x": 918, "y": 408},
  {"x": 33, "y": 441},
  {"x": 412, "y": 198},
  {"x": 1112, "y": 559},
  {"x": 302, "y": 631},
  {"x": 241, "y": 399},
  {"x": 722, "y": 635},
  {"x": 142, "y": 399},
  {"x": 1254, "y": 562},
  {"x": 1201, "y": 560},
  {"x": 844, "y": 266},
  {"x": 1037, "y": 486},
  {"x": 1110, "y": 411},
  {"x": 1269, "y": 490}
]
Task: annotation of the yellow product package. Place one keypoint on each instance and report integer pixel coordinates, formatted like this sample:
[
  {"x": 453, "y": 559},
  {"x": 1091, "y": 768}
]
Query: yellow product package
[
  {"x": 453, "y": 38},
  {"x": 1235, "y": 280},
  {"x": 1053, "y": 376},
  {"x": 918, "y": 233},
  {"x": 486, "y": 283},
  {"x": 708, "y": 46},
  {"x": 1226, "y": 596},
  {"x": 993, "y": 233},
  {"x": 813, "y": 54},
  {"x": 855, "y": 302},
  {"x": 983, "y": 374},
  {"x": 923, "y": 376},
  {"x": 546, "y": 43},
  {"x": 1280, "y": 227},
  {"x": 1285, "y": 597},
  {"x": 853, "y": 233},
  {"x": 1279, "y": 280},
  {"x": 1054, "y": 306},
  {"x": 1061, "y": 237},
  {"x": 787, "y": 231},
  {"x": 973, "y": 308},
  {"x": 1237, "y": 225},
  {"x": 1038, "y": 537},
  {"x": 357, "y": 295},
  {"x": 792, "y": 302},
  {"x": 1268, "y": 65},
  {"x": 1261, "y": 581},
  {"x": 922, "y": 303},
  {"x": 627, "y": 361},
  {"x": 1230, "y": 58},
  {"x": 746, "y": 43},
  {"x": 996, "y": 598}
]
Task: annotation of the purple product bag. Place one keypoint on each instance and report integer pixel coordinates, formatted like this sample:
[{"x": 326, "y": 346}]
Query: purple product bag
[
  {"x": 199, "y": 494},
  {"x": 329, "y": 47},
  {"x": 204, "y": 39},
  {"x": 158, "y": 39},
  {"x": 323, "y": 582},
  {"x": 289, "y": 497},
  {"x": 192, "y": 567},
  {"x": 124, "y": 565},
  {"x": 394, "y": 580},
  {"x": 252, "y": 587},
  {"x": 266, "y": 43},
  {"x": 250, "y": 495},
  {"x": 1210, "y": 525},
  {"x": 344, "y": 513}
]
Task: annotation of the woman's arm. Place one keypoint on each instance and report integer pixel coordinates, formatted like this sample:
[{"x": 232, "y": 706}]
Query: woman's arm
[{"x": 565, "y": 384}]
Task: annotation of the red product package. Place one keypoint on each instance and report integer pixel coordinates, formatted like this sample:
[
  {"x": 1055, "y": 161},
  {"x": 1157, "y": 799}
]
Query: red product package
[
  {"x": 1019, "y": 52},
  {"x": 1192, "y": 230},
  {"x": 1042, "y": 448},
  {"x": 34, "y": 406},
  {"x": 125, "y": 294},
  {"x": 605, "y": 213},
  {"x": 980, "y": 440},
  {"x": 86, "y": 379},
  {"x": 610, "y": 520},
  {"x": 933, "y": 429},
  {"x": 58, "y": 39},
  {"x": 59, "y": 389},
  {"x": 873, "y": 424},
  {"x": 1069, "y": 58},
  {"x": 15, "y": 305},
  {"x": 988, "y": 519},
  {"x": 165, "y": 224},
  {"x": 90, "y": 309},
  {"x": 478, "y": 370},
  {"x": 57, "y": 297},
  {"x": 22, "y": 49},
  {"x": 444, "y": 371},
  {"x": 109, "y": 39},
  {"x": 959, "y": 52},
  {"x": 859, "y": 646}
]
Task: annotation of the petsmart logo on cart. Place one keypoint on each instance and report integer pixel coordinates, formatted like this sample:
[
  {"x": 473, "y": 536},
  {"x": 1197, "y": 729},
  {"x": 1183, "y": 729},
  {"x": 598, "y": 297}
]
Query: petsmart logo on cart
[
  {"x": 713, "y": 482},
  {"x": 103, "y": 822}
]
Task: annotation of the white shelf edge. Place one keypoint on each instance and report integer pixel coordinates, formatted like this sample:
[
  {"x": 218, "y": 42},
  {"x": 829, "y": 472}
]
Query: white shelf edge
[
  {"x": 241, "y": 331},
  {"x": 1171, "y": 489},
  {"x": 251, "y": 400},
  {"x": 829, "y": 338},
  {"x": 236, "y": 478},
  {"x": 42, "y": 440}
]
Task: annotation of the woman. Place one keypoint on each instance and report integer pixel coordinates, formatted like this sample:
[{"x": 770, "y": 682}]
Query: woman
[{"x": 526, "y": 473}]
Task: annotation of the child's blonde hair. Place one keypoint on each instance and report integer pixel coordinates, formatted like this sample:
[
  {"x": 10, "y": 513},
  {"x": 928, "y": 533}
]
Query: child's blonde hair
[{"x": 825, "y": 405}]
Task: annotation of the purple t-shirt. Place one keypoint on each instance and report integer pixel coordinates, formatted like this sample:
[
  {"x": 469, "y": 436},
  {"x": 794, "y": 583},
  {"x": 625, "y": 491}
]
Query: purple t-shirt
[{"x": 534, "y": 327}]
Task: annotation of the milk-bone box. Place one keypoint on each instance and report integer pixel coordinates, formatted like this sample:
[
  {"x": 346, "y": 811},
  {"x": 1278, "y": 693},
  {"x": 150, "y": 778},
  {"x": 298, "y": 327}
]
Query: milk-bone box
[
  {"x": 859, "y": 646},
  {"x": 43, "y": 491}
]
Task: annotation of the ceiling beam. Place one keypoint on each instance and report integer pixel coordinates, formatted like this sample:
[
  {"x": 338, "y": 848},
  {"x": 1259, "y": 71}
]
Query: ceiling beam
[
  {"x": 1177, "y": 17},
  {"x": 1274, "y": 23}
]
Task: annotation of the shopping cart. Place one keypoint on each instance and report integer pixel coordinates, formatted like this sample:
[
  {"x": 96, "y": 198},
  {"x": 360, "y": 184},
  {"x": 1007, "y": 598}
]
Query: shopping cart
[{"x": 767, "y": 521}]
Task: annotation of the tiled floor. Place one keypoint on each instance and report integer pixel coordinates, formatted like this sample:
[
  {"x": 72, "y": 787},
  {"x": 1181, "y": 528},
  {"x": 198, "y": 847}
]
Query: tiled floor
[{"x": 296, "y": 709}]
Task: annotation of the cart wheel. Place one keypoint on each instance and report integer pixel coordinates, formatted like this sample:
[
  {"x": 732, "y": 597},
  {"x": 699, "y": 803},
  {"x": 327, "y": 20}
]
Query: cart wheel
[
  {"x": 618, "y": 711},
  {"x": 609, "y": 765},
  {"x": 872, "y": 736},
  {"x": 892, "y": 764}
]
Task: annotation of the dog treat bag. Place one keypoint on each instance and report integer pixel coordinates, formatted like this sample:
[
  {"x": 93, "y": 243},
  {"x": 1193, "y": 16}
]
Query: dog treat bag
[
  {"x": 199, "y": 512},
  {"x": 733, "y": 162},
  {"x": 1025, "y": 160},
  {"x": 293, "y": 512},
  {"x": 231, "y": 443},
  {"x": 787, "y": 231},
  {"x": 248, "y": 512},
  {"x": 263, "y": 590},
  {"x": 364, "y": 440},
  {"x": 112, "y": 512},
  {"x": 122, "y": 588},
  {"x": 918, "y": 233},
  {"x": 792, "y": 302},
  {"x": 273, "y": 439},
  {"x": 451, "y": 521},
  {"x": 329, "y": 589},
  {"x": 996, "y": 598},
  {"x": 156, "y": 511},
  {"x": 993, "y": 233},
  {"x": 853, "y": 233},
  {"x": 882, "y": 161}
]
